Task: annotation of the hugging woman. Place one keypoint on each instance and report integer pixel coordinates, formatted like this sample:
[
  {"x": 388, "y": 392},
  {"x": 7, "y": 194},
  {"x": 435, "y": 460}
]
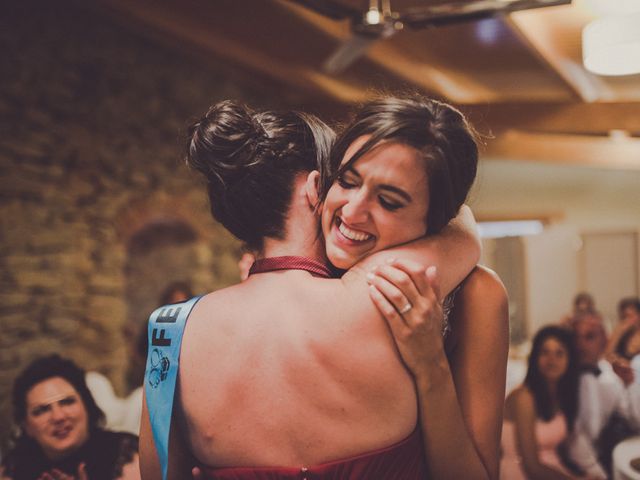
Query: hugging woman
[{"x": 294, "y": 375}]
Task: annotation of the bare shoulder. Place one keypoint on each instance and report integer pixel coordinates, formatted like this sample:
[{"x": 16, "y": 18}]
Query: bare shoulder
[
  {"x": 521, "y": 399},
  {"x": 484, "y": 283},
  {"x": 221, "y": 302},
  {"x": 518, "y": 401},
  {"x": 481, "y": 306}
]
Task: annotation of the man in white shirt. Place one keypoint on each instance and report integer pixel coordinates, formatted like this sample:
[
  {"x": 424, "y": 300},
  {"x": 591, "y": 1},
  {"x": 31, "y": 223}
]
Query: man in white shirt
[{"x": 603, "y": 398}]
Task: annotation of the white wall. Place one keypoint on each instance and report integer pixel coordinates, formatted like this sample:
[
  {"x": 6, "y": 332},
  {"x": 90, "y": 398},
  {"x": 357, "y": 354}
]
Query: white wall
[{"x": 579, "y": 200}]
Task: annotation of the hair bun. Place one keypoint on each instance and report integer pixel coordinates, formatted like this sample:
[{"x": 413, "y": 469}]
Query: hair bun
[{"x": 224, "y": 141}]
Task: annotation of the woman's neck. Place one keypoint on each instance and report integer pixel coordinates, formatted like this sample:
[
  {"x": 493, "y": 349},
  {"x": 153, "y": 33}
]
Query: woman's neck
[
  {"x": 302, "y": 237},
  {"x": 279, "y": 248}
]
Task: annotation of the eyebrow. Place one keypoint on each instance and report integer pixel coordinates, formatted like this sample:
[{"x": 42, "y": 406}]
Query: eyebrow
[
  {"x": 384, "y": 186},
  {"x": 45, "y": 405}
]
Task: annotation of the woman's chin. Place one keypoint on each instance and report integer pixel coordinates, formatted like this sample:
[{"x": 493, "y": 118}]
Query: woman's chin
[{"x": 341, "y": 260}]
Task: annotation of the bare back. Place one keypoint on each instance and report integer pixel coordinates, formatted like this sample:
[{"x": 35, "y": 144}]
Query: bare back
[{"x": 287, "y": 369}]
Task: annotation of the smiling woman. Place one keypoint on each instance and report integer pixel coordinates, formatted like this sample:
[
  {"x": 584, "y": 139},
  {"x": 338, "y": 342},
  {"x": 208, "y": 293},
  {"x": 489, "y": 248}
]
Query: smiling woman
[
  {"x": 60, "y": 434},
  {"x": 403, "y": 168},
  {"x": 373, "y": 203},
  {"x": 541, "y": 412}
]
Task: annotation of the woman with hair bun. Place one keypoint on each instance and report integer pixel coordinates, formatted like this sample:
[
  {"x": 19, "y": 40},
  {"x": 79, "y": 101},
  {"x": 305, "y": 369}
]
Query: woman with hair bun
[{"x": 291, "y": 374}]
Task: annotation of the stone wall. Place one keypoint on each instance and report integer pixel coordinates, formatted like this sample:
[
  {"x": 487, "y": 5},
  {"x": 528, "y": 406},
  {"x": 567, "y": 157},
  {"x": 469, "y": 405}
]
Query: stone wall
[{"x": 89, "y": 156}]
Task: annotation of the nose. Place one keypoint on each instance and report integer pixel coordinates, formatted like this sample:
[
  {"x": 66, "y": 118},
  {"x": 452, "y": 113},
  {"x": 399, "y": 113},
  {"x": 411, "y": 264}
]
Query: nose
[
  {"x": 57, "y": 413},
  {"x": 356, "y": 210}
]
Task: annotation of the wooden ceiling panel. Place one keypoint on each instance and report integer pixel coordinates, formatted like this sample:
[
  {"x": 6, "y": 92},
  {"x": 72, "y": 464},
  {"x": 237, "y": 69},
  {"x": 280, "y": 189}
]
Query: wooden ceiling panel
[
  {"x": 503, "y": 67},
  {"x": 522, "y": 73}
]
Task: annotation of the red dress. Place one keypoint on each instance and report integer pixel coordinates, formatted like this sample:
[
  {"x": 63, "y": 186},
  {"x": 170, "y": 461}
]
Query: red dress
[
  {"x": 401, "y": 461},
  {"x": 404, "y": 460}
]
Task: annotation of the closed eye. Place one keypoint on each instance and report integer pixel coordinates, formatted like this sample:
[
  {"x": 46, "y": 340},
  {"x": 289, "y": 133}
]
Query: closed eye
[
  {"x": 346, "y": 183},
  {"x": 389, "y": 204}
]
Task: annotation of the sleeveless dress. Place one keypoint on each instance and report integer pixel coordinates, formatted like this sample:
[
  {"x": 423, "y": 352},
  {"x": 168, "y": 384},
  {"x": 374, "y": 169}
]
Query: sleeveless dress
[
  {"x": 401, "y": 461},
  {"x": 549, "y": 435},
  {"x": 404, "y": 460}
]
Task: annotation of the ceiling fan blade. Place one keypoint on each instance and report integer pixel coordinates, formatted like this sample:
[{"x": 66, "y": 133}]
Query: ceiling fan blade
[
  {"x": 448, "y": 13},
  {"x": 348, "y": 52},
  {"x": 329, "y": 8}
]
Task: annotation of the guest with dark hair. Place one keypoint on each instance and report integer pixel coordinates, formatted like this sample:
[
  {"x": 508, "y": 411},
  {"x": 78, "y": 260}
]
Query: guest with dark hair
[
  {"x": 60, "y": 429},
  {"x": 629, "y": 344},
  {"x": 540, "y": 413},
  {"x": 583, "y": 303},
  {"x": 628, "y": 319},
  {"x": 629, "y": 310}
]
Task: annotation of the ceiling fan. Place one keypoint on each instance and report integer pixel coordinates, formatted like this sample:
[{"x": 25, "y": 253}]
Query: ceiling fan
[{"x": 380, "y": 22}]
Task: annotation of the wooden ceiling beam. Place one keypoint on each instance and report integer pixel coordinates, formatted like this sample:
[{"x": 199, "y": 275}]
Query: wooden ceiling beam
[
  {"x": 554, "y": 36},
  {"x": 170, "y": 18},
  {"x": 575, "y": 118},
  {"x": 599, "y": 152}
]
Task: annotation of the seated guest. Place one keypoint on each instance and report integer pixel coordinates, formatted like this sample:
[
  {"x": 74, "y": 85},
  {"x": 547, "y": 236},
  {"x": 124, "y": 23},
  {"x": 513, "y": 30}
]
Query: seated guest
[
  {"x": 629, "y": 344},
  {"x": 604, "y": 402},
  {"x": 628, "y": 319},
  {"x": 176, "y": 292},
  {"x": 60, "y": 435},
  {"x": 583, "y": 303},
  {"x": 628, "y": 350},
  {"x": 540, "y": 413}
]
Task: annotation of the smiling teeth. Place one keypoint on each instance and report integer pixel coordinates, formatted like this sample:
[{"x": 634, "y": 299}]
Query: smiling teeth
[{"x": 353, "y": 234}]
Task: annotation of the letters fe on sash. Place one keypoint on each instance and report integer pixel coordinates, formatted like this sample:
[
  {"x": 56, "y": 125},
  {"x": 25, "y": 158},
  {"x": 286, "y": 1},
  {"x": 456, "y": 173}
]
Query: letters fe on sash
[{"x": 166, "y": 325}]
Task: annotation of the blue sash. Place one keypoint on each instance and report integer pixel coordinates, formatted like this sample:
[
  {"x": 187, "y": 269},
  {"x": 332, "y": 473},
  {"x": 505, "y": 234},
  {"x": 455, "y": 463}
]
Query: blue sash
[{"x": 166, "y": 326}]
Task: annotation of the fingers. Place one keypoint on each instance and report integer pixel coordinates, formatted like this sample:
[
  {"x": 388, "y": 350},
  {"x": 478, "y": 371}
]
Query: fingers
[
  {"x": 413, "y": 271},
  {"x": 434, "y": 281},
  {"x": 82, "y": 472},
  {"x": 197, "y": 473},
  {"x": 400, "y": 292},
  {"x": 409, "y": 279},
  {"x": 394, "y": 319},
  {"x": 55, "y": 474}
]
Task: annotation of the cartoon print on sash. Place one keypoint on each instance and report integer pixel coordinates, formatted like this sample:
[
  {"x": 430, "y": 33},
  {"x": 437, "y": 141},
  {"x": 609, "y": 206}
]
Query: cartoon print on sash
[{"x": 166, "y": 326}]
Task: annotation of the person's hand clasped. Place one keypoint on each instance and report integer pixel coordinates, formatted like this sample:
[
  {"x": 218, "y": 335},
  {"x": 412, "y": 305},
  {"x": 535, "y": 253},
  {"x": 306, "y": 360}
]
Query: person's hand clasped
[
  {"x": 56, "y": 474},
  {"x": 622, "y": 368},
  {"x": 408, "y": 297}
]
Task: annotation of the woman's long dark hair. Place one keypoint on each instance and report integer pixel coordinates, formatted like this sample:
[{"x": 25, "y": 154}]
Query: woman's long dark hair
[{"x": 567, "y": 391}]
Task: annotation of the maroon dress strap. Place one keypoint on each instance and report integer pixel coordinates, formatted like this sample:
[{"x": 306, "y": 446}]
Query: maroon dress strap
[{"x": 290, "y": 263}]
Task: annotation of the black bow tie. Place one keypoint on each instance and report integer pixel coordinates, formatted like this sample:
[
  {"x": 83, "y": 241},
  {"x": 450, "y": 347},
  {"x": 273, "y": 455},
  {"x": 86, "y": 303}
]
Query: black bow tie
[{"x": 591, "y": 369}]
